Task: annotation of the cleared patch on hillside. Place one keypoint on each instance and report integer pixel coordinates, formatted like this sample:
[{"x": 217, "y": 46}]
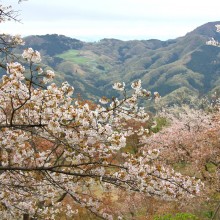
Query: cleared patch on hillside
[{"x": 74, "y": 56}]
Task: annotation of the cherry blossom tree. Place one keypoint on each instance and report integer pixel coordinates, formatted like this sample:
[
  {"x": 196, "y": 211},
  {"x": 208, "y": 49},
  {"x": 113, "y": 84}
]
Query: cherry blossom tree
[
  {"x": 191, "y": 136},
  {"x": 79, "y": 146},
  {"x": 8, "y": 42},
  {"x": 212, "y": 41},
  {"x": 54, "y": 148},
  {"x": 190, "y": 143}
]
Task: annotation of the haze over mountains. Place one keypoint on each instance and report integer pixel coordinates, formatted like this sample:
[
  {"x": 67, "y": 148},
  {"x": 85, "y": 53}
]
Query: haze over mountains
[{"x": 185, "y": 65}]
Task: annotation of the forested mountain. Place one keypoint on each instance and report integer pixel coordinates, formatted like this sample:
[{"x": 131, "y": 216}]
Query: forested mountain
[{"x": 185, "y": 65}]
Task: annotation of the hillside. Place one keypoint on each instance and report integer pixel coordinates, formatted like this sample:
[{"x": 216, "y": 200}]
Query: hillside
[{"x": 182, "y": 65}]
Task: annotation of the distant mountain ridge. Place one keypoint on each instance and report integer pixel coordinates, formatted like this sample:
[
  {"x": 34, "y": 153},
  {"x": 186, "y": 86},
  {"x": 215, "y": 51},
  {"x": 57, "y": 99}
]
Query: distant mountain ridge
[
  {"x": 182, "y": 65},
  {"x": 53, "y": 44}
]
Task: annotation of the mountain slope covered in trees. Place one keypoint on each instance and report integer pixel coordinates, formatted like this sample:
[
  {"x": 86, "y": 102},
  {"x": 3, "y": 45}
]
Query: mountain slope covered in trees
[{"x": 185, "y": 65}]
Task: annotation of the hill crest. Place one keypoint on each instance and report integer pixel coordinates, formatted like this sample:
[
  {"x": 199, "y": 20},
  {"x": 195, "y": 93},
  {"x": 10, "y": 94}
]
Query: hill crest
[{"x": 164, "y": 66}]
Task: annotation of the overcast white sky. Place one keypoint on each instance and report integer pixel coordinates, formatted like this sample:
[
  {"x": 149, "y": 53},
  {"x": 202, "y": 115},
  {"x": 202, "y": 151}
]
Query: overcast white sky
[{"x": 92, "y": 20}]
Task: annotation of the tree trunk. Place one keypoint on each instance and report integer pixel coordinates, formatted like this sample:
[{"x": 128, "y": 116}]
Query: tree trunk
[{"x": 27, "y": 217}]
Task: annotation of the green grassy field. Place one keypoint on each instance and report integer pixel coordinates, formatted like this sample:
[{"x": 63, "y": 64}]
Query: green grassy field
[{"x": 74, "y": 56}]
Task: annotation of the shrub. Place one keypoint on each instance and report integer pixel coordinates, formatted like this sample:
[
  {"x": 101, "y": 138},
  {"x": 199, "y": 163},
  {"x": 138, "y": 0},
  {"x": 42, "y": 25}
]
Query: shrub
[{"x": 178, "y": 216}]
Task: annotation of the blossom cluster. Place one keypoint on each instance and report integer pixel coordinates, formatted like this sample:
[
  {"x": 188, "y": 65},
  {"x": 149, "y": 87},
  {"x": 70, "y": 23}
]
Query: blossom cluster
[
  {"x": 212, "y": 41},
  {"x": 217, "y": 27},
  {"x": 31, "y": 55}
]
